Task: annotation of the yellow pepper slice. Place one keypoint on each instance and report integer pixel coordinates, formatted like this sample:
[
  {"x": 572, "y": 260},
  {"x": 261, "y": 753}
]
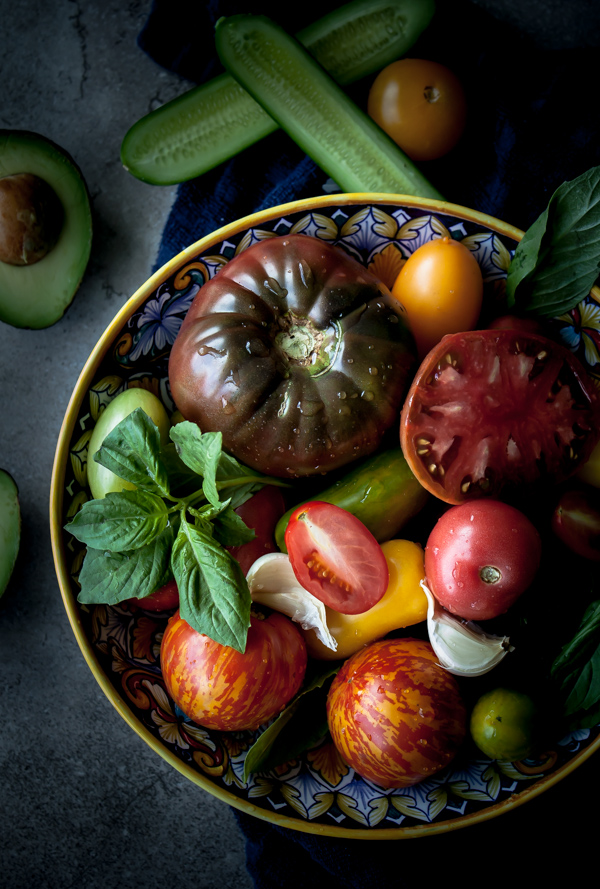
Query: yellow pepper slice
[{"x": 403, "y": 604}]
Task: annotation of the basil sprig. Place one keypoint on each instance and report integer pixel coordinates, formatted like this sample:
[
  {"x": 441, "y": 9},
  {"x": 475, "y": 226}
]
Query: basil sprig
[
  {"x": 576, "y": 671},
  {"x": 557, "y": 261},
  {"x": 139, "y": 539}
]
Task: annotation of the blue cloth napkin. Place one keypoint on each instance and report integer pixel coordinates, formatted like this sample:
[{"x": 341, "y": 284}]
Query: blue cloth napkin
[{"x": 533, "y": 123}]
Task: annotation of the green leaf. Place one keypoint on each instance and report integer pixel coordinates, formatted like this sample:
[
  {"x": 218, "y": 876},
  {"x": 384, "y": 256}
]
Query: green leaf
[
  {"x": 132, "y": 451},
  {"x": 231, "y": 530},
  {"x": 557, "y": 261},
  {"x": 576, "y": 670},
  {"x": 109, "y": 577},
  {"x": 120, "y": 521},
  {"x": 297, "y": 728},
  {"x": 213, "y": 593}
]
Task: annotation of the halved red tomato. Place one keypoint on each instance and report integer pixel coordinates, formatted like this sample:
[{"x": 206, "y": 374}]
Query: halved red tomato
[
  {"x": 335, "y": 557},
  {"x": 490, "y": 408}
]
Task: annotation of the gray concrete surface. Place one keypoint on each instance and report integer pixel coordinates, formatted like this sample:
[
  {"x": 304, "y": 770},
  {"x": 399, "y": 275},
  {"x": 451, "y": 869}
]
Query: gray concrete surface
[{"x": 84, "y": 803}]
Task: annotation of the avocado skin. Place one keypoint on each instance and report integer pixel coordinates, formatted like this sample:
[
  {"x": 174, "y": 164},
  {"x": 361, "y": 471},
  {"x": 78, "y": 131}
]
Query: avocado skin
[
  {"x": 10, "y": 527},
  {"x": 36, "y": 296}
]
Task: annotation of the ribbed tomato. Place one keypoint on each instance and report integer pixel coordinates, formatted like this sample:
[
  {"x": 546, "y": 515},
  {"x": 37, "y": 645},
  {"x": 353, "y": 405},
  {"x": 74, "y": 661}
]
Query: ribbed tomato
[
  {"x": 394, "y": 714},
  {"x": 220, "y": 688},
  {"x": 297, "y": 354},
  {"x": 495, "y": 408}
]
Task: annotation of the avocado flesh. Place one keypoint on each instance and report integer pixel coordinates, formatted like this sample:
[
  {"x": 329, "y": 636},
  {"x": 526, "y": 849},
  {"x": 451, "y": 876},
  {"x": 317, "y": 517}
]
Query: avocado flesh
[
  {"x": 37, "y": 296},
  {"x": 10, "y": 527}
]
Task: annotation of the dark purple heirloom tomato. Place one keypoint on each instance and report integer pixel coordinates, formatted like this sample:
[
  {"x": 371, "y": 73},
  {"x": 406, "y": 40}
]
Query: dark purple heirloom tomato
[{"x": 297, "y": 353}]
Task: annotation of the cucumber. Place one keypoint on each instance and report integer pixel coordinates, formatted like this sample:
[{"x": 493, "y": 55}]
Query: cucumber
[
  {"x": 211, "y": 123},
  {"x": 310, "y": 106},
  {"x": 382, "y": 492}
]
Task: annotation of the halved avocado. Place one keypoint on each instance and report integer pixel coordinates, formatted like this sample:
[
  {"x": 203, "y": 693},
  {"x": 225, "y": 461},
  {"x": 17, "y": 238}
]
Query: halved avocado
[
  {"x": 10, "y": 527},
  {"x": 37, "y": 294}
]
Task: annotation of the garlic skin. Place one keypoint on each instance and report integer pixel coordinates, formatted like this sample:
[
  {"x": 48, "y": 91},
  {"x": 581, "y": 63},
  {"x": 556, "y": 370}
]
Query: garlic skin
[
  {"x": 272, "y": 582},
  {"x": 462, "y": 647}
]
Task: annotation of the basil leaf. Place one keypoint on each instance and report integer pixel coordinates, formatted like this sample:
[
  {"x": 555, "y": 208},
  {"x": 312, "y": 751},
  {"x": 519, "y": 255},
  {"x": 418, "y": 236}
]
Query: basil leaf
[
  {"x": 120, "y": 521},
  {"x": 132, "y": 451},
  {"x": 577, "y": 671},
  {"x": 299, "y": 726},
  {"x": 231, "y": 530},
  {"x": 557, "y": 261},
  {"x": 181, "y": 477},
  {"x": 213, "y": 593},
  {"x": 109, "y": 577}
]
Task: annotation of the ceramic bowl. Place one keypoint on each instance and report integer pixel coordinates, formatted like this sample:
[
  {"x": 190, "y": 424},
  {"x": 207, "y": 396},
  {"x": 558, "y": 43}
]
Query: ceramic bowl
[{"x": 317, "y": 793}]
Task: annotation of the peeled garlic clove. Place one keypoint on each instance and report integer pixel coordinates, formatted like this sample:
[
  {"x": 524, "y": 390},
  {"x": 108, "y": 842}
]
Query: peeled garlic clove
[
  {"x": 462, "y": 647},
  {"x": 272, "y": 582}
]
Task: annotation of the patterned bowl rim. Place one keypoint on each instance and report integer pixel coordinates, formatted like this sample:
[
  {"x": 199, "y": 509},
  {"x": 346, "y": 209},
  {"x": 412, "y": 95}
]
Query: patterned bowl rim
[{"x": 56, "y": 511}]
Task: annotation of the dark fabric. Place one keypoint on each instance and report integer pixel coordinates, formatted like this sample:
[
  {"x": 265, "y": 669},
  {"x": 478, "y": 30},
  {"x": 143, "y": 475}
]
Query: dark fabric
[{"x": 533, "y": 122}]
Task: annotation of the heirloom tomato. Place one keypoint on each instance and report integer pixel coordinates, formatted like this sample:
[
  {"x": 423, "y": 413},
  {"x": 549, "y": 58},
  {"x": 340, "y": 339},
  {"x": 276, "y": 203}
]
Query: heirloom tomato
[
  {"x": 402, "y": 605},
  {"x": 421, "y": 105},
  {"x": 576, "y": 521},
  {"x": 490, "y": 408},
  {"x": 220, "y": 688},
  {"x": 394, "y": 714},
  {"x": 261, "y": 512},
  {"x": 441, "y": 287},
  {"x": 296, "y": 353},
  {"x": 480, "y": 557},
  {"x": 335, "y": 557},
  {"x": 100, "y": 479}
]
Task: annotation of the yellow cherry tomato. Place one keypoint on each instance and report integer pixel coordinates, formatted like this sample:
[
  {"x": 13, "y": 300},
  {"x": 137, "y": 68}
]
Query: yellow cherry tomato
[
  {"x": 421, "y": 105},
  {"x": 403, "y": 604},
  {"x": 441, "y": 287},
  {"x": 503, "y": 724}
]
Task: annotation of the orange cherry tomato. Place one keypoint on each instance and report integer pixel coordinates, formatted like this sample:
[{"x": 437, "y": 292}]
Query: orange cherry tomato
[
  {"x": 421, "y": 105},
  {"x": 441, "y": 287}
]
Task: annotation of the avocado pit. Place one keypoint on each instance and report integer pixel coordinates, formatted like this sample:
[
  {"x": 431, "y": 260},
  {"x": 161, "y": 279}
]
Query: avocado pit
[{"x": 31, "y": 219}]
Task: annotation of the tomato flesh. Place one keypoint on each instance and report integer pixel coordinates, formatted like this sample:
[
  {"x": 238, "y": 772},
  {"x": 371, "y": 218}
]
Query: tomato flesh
[
  {"x": 491, "y": 408},
  {"x": 336, "y": 558}
]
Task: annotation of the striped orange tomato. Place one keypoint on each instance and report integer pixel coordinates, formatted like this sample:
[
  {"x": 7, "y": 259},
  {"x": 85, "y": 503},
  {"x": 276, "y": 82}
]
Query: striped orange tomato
[
  {"x": 394, "y": 714},
  {"x": 221, "y": 688}
]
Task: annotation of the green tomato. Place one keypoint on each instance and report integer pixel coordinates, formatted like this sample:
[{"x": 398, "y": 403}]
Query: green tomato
[
  {"x": 503, "y": 724},
  {"x": 101, "y": 480}
]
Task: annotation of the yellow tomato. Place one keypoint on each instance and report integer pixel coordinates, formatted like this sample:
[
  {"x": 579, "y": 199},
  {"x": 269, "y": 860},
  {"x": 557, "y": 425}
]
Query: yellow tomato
[
  {"x": 441, "y": 287},
  {"x": 403, "y": 604},
  {"x": 421, "y": 105}
]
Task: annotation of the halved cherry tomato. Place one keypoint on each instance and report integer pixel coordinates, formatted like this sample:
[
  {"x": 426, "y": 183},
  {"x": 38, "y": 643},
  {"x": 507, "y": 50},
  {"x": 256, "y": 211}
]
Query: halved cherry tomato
[
  {"x": 421, "y": 105},
  {"x": 335, "y": 557},
  {"x": 441, "y": 287},
  {"x": 489, "y": 408}
]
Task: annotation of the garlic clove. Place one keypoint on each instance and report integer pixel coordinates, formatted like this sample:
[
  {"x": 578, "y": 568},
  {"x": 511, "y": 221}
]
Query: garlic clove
[
  {"x": 462, "y": 647},
  {"x": 272, "y": 582}
]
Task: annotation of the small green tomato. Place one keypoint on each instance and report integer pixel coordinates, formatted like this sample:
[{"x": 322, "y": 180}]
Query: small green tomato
[
  {"x": 101, "y": 480},
  {"x": 503, "y": 724}
]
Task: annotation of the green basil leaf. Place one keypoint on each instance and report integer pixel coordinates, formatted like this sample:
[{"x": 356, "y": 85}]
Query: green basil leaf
[
  {"x": 576, "y": 670},
  {"x": 557, "y": 261},
  {"x": 231, "y": 530},
  {"x": 109, "y": 577},
  {"x": 181, "y": 477},
  {"x": 213, "y": 593},
  {"x": 132, "y": 451},
  {"x": 297, "y": 728},
  {"x": 120, "y": 521}
]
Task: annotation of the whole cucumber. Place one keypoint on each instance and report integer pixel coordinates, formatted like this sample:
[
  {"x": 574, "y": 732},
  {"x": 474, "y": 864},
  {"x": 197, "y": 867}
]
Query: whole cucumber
[
  {"x": 382, "y": 492},
  {"x": 216, "y": 120}
]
